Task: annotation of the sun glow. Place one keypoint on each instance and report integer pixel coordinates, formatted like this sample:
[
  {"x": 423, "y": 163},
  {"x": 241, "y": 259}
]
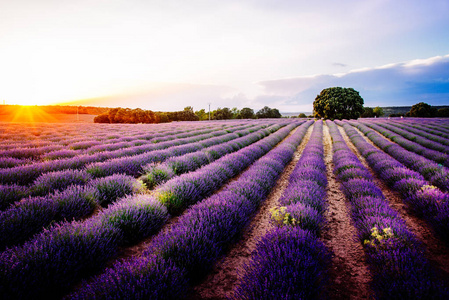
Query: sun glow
[{"x": 31, "y": 114}]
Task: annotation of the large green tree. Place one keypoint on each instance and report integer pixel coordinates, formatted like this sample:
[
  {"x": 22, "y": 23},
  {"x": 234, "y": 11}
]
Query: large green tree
[
  {"x": 422, "y": 110},
  {"x": 222, "y": 114},
  {"x": 267, "y": 112},
  {"x": 246, "y": 113},
  {"x": 338, "y": 103}
]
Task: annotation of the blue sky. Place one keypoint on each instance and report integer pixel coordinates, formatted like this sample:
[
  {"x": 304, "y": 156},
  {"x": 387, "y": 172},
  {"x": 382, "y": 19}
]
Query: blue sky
[{"x": 165, "y": 55}]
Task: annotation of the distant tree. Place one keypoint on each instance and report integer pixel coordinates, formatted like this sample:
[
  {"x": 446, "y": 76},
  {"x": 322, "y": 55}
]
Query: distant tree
[
  {"x": 267, "y": 112},
  {"x": 302, "y": 115},
  {"x": 111, "y": 114},
  {"x": 422, "y": 110},
  {"x": 188, "y": 115},
  {"x": 202, "y": 114},
  {"x": 235, "y": 113},
  {"x": 246, "y": 113},
  {"x": 368, "y": 112},
  {"x": 102, "y": 118},
  {"x": 338, "y": 103},
  {"x": 396, "y": 115},
  {"x": 275, "y": 113},
  {"x": 378, "y": 111},
  {"x": 443, "y": 113},
  {"x": 163, "y": 118},
  {"x": 222, "y": 114}
]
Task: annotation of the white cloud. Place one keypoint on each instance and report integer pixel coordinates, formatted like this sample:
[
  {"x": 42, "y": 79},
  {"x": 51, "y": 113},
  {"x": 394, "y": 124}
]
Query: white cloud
[{"x": 396, "y": 84}]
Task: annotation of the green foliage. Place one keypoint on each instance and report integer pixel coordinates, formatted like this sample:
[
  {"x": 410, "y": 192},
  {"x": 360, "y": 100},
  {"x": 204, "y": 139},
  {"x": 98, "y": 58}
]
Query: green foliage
[
  {"x": 302, "y": 115},
  {"x": 338, "y": 103},
  {"x": 222, "y": 114},
  {"x": 267, "y": 112},
  {"x": 102, "y": 118},
  {"x": 422, "y": 110},
  {"x": 443, "y": 113},
  {"x": 235, "y": 112},
  {"x": 378, "y": 111},
  {"x": 368, "y": 112},
  {"x": 202, "y": 114},
  {"x": 246, "y": 113},
  {"x": 396, "y": 115},
  {"x": 280, "y": 216},
  {"x": 138, "y": 115}
]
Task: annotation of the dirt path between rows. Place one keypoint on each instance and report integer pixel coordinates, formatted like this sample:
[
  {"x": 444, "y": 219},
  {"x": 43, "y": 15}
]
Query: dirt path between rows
[
  {"x": 349, "y": 273},
  {"x": 220, "y": 283},
  {"x": 436, "y": 250}
]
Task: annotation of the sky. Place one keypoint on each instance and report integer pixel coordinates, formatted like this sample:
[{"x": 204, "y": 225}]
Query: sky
[{"x": 166, "y": 55}]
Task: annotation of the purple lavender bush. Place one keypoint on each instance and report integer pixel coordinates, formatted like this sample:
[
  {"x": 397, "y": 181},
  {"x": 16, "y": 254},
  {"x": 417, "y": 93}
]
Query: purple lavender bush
[
  {"x": 54, "y": 260},
  {"x": 32, "y": 215},
  {"x": 136, "y": 216},
  {"x": 114, "y": 187},
  {"x": 10, "y": 193},
  {"x": 58, "y": 181},
  {"x": 290, "y": 263}
]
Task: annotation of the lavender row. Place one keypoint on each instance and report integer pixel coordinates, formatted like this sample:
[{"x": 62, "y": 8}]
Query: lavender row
[
  {"x": 27, "y": 173},
  {"x": 185, "y": 190},
  {"x": 156, "y": 174},
  {"x": 416, "y": 136},
  {"x": 422, "y": 131},
  {"x": 395, "y": 257},
  {"x": 30, "y": 153},
  {"x": 133, "y": 165},
  {"x": 435, "y": 129},
  {"x": 433, "y": 172},
  {"x": 440, "y": 125},
  {"x": 31, "y": 215},
  {"x": 47, "y": 266},
  {"x": 180, "y": 258},
  {"x": 290, "y": 262},
  {"x": 45, "y": 184},
  {"x": 434, "y": 155},
  {"x": 426, "y": 200}
]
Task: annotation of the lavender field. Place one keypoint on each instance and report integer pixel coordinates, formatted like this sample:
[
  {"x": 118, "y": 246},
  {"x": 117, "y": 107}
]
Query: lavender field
[{"x": 241, "y": 209}]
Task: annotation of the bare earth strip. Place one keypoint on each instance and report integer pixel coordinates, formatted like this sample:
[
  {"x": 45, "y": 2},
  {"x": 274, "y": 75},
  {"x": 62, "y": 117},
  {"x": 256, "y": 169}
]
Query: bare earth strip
[
  {"x": 437, "y": 250},
  {"x": 349, "y": 273},
  {"x": 226, "y": 273}
]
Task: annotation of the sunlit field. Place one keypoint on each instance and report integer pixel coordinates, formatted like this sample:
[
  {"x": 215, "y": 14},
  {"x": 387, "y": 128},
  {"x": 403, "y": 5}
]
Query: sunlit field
[{"x": 237, "y": 209}]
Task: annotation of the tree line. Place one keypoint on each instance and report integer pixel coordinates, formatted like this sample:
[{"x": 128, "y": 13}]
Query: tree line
[{"x": 138, "y": 115}]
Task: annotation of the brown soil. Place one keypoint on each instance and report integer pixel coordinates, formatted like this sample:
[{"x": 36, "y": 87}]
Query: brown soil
[
  {"x": 436, "y": 250},
  {"x": 220, "y": 283},
  {"x": 349, "y": 273}
]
